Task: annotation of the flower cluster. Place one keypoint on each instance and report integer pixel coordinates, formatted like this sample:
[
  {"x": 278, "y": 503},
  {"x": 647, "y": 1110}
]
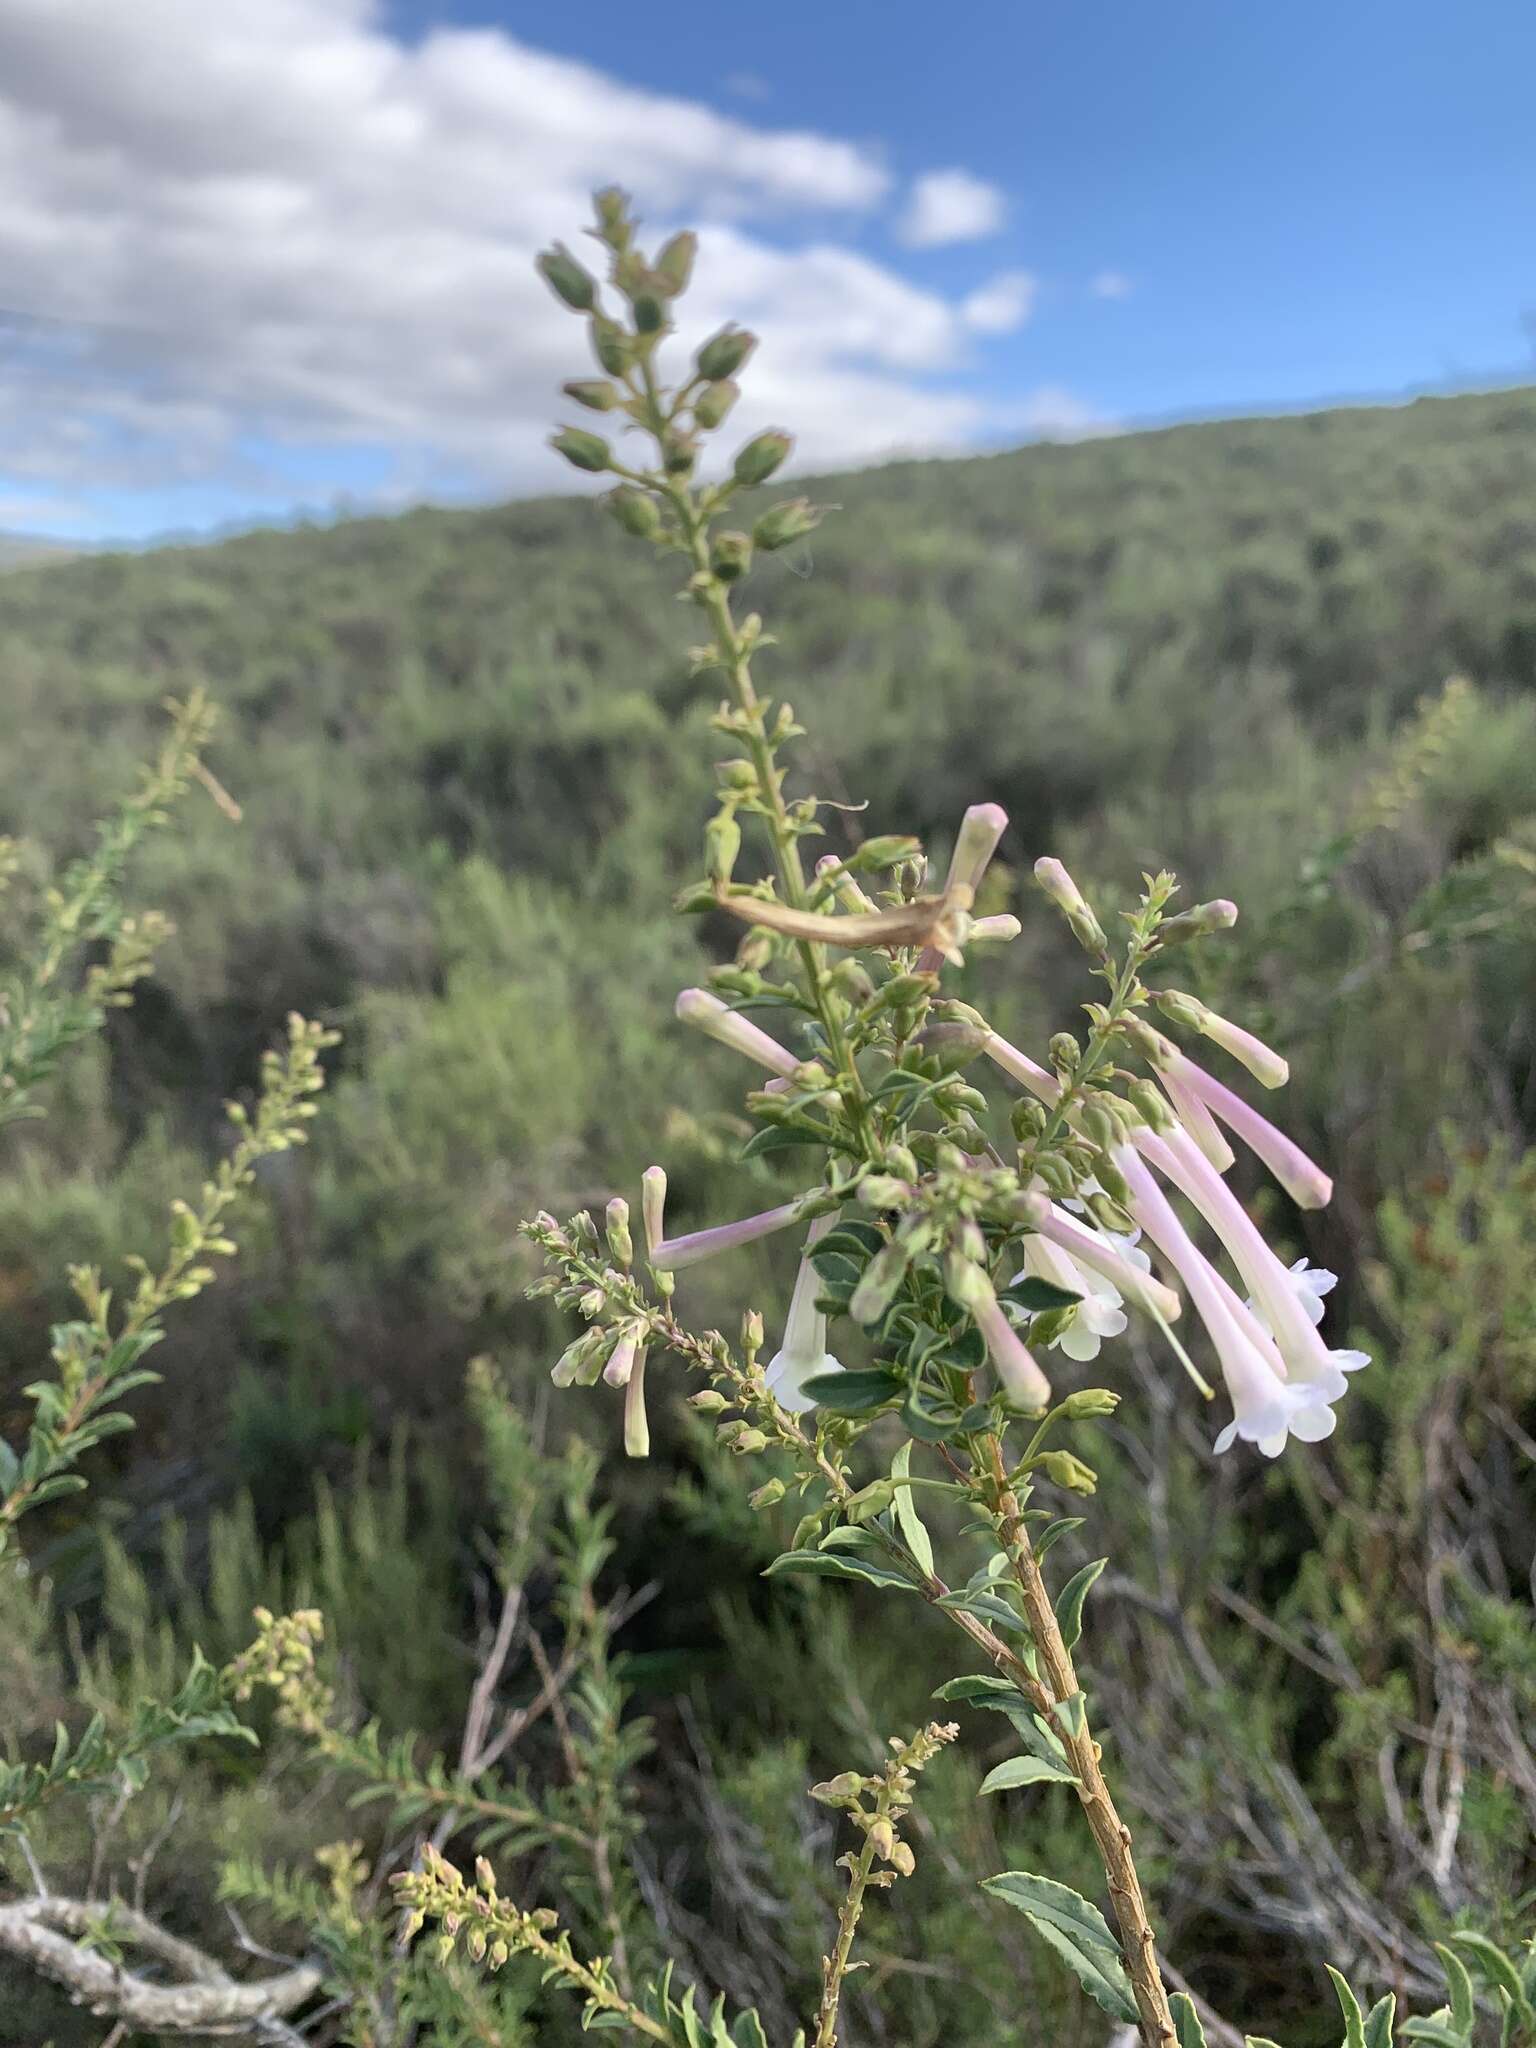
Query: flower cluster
[{"x": 920, "y": 1228}]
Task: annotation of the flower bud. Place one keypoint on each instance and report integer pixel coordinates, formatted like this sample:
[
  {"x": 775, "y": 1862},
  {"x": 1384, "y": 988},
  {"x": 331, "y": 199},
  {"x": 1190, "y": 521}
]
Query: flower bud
[
  {"x": 1065, "y": 1051},
  {"x": 722, "y": 843},
  {"x": 885, "y": 850},
  {"x": 653, "y": 1203},
  {"x": 724, "y": 353},
  {"x": 1185, "y": 1010},
  {"x": 635, "y": 512},
  {"x": 714, "y": 402},
  {"x": 1065, "y": 1470},
  {"x": 620, "y": 1243},
  {"x": 1068, "y": 898},
  {"x": 708, "y": 1402},
  {"x": 730, "y": 555},
  {"x": 1088, "y": 1402},
  {"x": 767, "y": 1495},
  {"x": 610, "y": 344},
  {"x": 1109, "y": 1215},
  {"x": 882, "y": 1277},
  {"x": 1152, "y": 1106},
  {"x": 674, "y": 265},
  {"x": 567, "y": 279},
  {"x": 1217, "y": 916},
  {"x": 582, "y": 450},
  {"x": 679, "y": 453},
  {"x": 758, "y": 460},
  {"x": 752, "y": 1329},
  {"x": 747, "y": 1442},
  {"x": 783, "y": 523},
  {"x": 1156, "y": 1050},
  {"x": 902, "y": 1859},
  {"x": 1261, "y": 1060},
  {"x": 595, "y": 393},
  {"x": 1027, "y": 1118},
  {"x": 882, "y": 1839},
  {"x": 612, "y": 206}
]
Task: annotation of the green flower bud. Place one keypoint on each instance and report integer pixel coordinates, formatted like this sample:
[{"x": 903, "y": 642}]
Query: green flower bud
[
  {"x": 722, "y": 843},
  {"x": 1100, "y": 1125},
  {"x": 679, "y": 453},
  {"x": 566, "y": 278},
  {"x": 714, "y": 402},
  {"x": 758, "y": 460},
  {"x": 1152, "y": 1105},
  {"x": 595, "y": 393},
  {"x": 612, "y": 206},
  {"x": 1182, "y": 1009},
  {"x": 807, "y": 1530},
  {"x": 790, "y": 521},
  {"x": 620, "y": 1243},
  {"x": 1199, "y": 923},
  {"x": 1063, "y": 1469},
  {"x": 675, "y": 263},
  {"x": 611, "y": 345},
  {"x": 708, "y": 1402},
  {"x": 635, "y": 511},
  {"x": 1109, "y": 1215},
  {"x": 748, "y": 1442},
  {"x": 870, "y": 1501},
  {"x": 1088, "y": 1402},
  {"x": 886, "y": 850},
  {"x": 730, "y": 556},
  {"x": 724, "y": 353},
  {"x": 1065, "y": 1051},
  {"x": 752, "y": 1330},
  {"x": 1065, "y": 894},
  {"x": 902, "y": 1859},
  {"x": 582, "y": 450},
  {"x": 766, "y": 1496},
  {"x": 650, "y": 312},
  {"x": 1027, "y": 1118}
]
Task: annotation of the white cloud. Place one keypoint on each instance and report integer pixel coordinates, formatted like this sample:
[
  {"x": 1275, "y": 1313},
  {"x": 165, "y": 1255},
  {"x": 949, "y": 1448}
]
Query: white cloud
[
  {"x": 271, "y": 223},
  {"x": 1004, "y": 303},
  {"x": 1112, "y": 284},
  {"x": 951, "y": 206}
]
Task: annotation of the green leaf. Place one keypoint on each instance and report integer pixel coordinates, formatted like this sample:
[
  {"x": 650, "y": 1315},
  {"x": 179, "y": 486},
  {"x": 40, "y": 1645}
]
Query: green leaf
[
  {"x": 10, "y": 1467},
  {"x": 1259, "y": 2041},
  {"x": 1186, "y": 2021},
  {"x": 858, "y": 1392},
  {"x": 854, "y": 1240},
  {"x": 1459, "y": 1983},
  {"x": 1498, "y": 1969},
  {"x": 909, "y": 1520},
  {"x": 1073, "y": 1713},
  {"x": 836, "y": 1564},
  {"x": 930, "y": 1421},
  {"x": 1069, "y": 1604},
  {"x": 1036, "y": 1295},
  {"x": 837, "y": 1270},
  {"x": 1025, "y": 1770},
  {"x": 748, "y": 2031},
  {"x": 979, "y": 1689},
  {"x": 1052, "y": 1536},
  {"x": 1378, "y": 2022},
  {"x": 986, "y": 1607},
  {"x": 1077, "y": 1932},
  {"x": 1354, "y": 2019},
  {"x": 1432, "y": 2031}
]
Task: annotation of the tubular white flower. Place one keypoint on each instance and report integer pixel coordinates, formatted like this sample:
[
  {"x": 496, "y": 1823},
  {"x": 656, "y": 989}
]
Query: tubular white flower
[
  {"x": 1197, "y": 1119},
  {"x": 1262, "y": 1061},
  {"x": 1267, "y": 1407},
  {"x": 1021, "y": 1068},
  {"x": 1138, "y": 1288},
  {"x": 653, "y": 1206},
  {"x": 1098, "y": 1313},
  {"x": 621, "y": 1360},
  {"x": 717, "y": 1020},
  {"x": 995, "y": 931},
  {"x": 1305, "y": 1355},
  {"x": 1303, "y": 1180},
  {"x": 975, "y": 843},
  {"x": 803, "y": 1353},
  {"x": 673, "y": 1253},
  {"x": 637, "y": 1428},
  {"x": 1012, "y": 1360}
]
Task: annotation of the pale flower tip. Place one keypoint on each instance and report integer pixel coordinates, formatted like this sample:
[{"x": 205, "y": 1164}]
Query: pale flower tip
[{"x": 694, "y": 1005}]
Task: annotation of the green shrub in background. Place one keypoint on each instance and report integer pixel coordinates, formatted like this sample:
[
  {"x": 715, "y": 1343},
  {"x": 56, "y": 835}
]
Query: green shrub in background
[{"x": 1246, "y": 1671}]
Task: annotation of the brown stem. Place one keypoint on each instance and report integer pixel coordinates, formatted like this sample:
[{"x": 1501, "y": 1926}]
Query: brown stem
[{"x": 1111, "y": 1836}]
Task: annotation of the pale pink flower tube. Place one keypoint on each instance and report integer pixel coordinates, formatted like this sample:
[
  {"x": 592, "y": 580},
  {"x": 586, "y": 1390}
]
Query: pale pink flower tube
[{"x": 1303, "y": 1180}]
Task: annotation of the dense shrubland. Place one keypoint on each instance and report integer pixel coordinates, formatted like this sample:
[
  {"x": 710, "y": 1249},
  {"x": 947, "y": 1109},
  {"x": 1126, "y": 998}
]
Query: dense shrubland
[{"x": 471, "y": 767}]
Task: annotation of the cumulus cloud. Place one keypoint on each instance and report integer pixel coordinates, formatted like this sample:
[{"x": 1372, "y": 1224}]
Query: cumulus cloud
[
  {"x": 1002, "y": 304},
  {"x": 951, "y": 206},
  {"x": 272, "y": 224}
]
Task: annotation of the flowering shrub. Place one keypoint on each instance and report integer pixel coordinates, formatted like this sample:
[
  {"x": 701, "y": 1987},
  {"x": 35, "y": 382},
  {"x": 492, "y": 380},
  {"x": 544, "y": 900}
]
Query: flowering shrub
[{"x": 964, "y": 1251}]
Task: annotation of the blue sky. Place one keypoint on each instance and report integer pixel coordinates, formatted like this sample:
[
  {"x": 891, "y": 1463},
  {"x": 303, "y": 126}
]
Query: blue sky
[{"x": 1160, "y": 211}]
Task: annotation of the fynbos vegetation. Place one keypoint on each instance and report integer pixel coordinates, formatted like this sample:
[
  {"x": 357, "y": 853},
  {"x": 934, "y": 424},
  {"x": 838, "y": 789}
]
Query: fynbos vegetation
[{"x": 1050, "y": 1704}]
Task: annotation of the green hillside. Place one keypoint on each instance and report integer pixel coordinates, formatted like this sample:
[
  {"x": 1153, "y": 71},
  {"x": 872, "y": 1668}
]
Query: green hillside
[{"x": 454, "y": 737}]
